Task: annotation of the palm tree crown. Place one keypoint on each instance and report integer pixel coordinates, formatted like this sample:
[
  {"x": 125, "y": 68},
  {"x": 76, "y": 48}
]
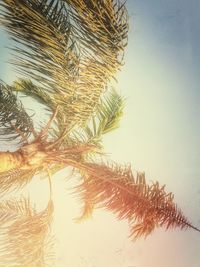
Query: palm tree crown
[{"x": 67, "y": 52}]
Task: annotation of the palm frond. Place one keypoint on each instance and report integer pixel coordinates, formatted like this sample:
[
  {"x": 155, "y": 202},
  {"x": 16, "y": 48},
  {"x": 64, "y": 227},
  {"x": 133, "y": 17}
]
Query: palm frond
[
  {"x": 14, "y": 121},
  {"x": 28, "y": 88},
  {"x": 116, "y": 189},
  {"x": 43, "y": 29},
  {"x": 24, "y": 234},
  {"x": 109, "y": 112},
  {"x": 57, "y": 51},
  {"x": 102, "y": 35},
  {"x": 103, "y": 31},
  {"x": 50, "y": 101},
  {"x": 106, "y": 119},
  {"x": 47, "y": 53},
  {"x": 15, "y": 179}
]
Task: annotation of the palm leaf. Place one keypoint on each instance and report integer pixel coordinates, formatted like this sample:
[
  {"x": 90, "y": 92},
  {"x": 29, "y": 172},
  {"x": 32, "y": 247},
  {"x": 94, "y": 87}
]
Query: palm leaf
[
  {"x": 15, "y": 179},
  {"x": 42, "y": 27},
  {"x": 57, "y": 53},
  {"x": 14, "y": 121},
  {"x": 106, "y": 119},
  {"x": 49, "y": 102},
  {"x": 28, "y": 88},
  {"x": 24, "y": 234},
  {"x": 102, "y": 35},
  {"x": 47, "y": 54},
  {"x": 116, "y": 189},
  {"x": 103, "y": 31},
  {"x": 108, "y": 114}
]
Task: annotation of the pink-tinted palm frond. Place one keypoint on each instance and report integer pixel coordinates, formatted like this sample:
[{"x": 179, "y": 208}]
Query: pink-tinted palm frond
[{"x": 144, "y": 206}]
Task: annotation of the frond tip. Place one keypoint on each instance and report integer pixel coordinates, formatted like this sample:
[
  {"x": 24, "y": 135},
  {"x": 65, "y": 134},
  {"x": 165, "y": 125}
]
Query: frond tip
[{"x": 144, "y": 206}]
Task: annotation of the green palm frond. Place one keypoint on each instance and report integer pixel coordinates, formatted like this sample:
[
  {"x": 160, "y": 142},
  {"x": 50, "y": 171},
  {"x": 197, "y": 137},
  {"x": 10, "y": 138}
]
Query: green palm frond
[
  {"x": 106, "y": 119},
  {"x": 57, "y": 52},
  {"x": 23, "y": 234},
  {"x": 28, "y": 88},
  {"x": 14, "y": 121},
  {"x": 49, "y": 102},
  {"x": 109, "y": 112},
  {"x": 114, "y": 188},
  {"x": 102, "y": 35}
]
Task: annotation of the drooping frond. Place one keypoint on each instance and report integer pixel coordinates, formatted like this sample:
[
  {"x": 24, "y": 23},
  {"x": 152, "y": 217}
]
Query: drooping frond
[
  {"x": 15, "y": 123},
  {"x": 116, "y": 189},
  {"x": 71, "y": 55},
  {"x": 23, "y": 235}
]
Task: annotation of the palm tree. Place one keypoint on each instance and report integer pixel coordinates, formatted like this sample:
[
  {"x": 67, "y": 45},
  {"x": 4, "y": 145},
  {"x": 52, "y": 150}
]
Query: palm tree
[{"x": 67, "y": 52}]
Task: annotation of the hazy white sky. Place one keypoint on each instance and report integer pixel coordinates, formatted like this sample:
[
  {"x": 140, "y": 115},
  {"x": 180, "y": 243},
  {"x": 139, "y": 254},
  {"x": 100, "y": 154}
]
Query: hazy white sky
[{"x": 159, "y": 134}]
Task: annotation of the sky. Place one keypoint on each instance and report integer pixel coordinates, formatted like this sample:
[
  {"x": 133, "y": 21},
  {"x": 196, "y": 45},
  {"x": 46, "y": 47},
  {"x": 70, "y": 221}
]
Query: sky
[{"x": 159, "y": 134}]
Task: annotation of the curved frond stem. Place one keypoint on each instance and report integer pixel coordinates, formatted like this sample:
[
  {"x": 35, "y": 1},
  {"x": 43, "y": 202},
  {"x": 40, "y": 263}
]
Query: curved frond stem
[
  {"x": 24, "y": 138},
  {"x": 50, "y": 183},
  {"x": 59, "y": 140},
  {"x": 44, "y": 132}
]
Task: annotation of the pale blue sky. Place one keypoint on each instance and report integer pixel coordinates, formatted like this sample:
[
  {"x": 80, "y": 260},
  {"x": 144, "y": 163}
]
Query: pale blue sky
[{"x": 159, "y": 134}]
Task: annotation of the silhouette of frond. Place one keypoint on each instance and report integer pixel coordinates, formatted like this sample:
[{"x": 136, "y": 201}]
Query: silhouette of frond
[
  {"x": 116, "y": 189},
  {"x": 23, "y": 234},
  {"x": 14, "y": 121}
]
